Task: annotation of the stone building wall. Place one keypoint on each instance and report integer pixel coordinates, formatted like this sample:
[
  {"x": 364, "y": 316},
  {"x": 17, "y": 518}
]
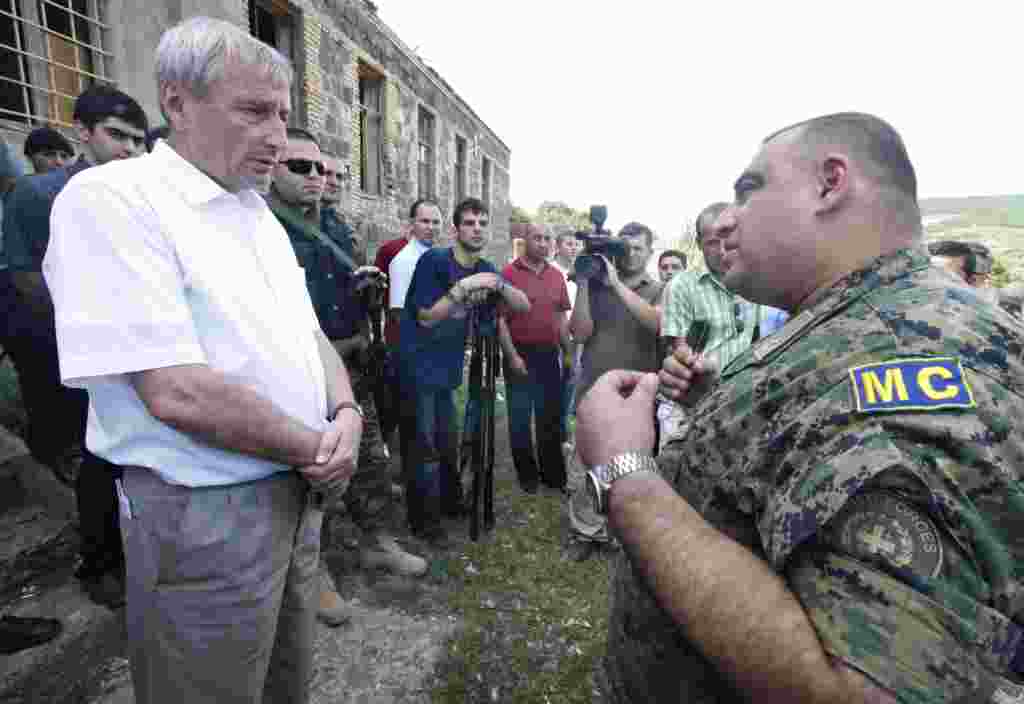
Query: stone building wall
[
  {"x": 348, "y": 33},
  {"x": 336, "y": 36}
]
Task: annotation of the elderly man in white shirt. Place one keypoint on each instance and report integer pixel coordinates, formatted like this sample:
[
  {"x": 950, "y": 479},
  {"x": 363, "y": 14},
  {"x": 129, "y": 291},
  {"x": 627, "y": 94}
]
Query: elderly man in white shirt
[{"x": 209, "y": 379}]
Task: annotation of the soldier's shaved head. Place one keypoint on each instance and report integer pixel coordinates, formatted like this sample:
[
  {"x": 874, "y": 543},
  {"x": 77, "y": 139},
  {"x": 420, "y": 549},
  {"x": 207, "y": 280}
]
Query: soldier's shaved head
[{"x": 873, "y": 143}]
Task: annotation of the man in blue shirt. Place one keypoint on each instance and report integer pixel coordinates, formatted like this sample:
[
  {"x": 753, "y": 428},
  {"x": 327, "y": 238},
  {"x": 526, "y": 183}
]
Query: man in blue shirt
[
  {"x": 446, "y": 285},
  {"x": 110, "y": 125}
]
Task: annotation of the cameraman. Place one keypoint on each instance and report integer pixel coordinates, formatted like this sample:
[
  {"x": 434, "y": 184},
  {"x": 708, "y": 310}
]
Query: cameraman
[
  {"x": 616, "y": 317},
  {"x": 616, "y": 320}
]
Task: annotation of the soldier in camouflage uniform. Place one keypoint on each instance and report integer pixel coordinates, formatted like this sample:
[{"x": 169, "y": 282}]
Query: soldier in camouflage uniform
[
  {"x": 1011, "y": 299},
  {"x": 851, "y": 527},
  {"x": 341, "y": 310}
]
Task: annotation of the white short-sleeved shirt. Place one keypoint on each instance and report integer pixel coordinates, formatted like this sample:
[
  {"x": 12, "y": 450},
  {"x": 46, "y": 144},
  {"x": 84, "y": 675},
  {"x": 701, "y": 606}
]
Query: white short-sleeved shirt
[
  {"x": 152, "y": 264},
  {"x": 401, "y": 269},
  {"x": 570, "y": 286}
]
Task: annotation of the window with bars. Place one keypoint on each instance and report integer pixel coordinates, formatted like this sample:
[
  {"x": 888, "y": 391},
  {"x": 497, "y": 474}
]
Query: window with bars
[
  {"x": 426, "y": 154},
  {"x": 278, "y": 23},
  {"x": 371, "y": 123},
  {"x": 50, "y": 51},
  {"x": 460, "y": 169}
]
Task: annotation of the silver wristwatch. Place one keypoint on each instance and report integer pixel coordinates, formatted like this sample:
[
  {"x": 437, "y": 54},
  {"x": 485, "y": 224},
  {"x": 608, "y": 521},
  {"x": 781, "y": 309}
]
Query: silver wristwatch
[{"x": 600, "y": 478}]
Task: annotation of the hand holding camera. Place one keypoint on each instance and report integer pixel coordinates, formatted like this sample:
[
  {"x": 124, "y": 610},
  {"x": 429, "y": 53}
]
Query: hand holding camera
[{"x": 600, "y": 250}]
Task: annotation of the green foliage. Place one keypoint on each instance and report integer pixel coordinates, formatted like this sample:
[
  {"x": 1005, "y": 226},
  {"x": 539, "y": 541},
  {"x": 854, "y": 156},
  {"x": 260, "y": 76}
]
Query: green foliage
[
  {"x": 687, "y": 244},
  {"x": 520, "y": 216},
  {"x": 1001, "y": 276},
  {"x": 558, "y": 213}
]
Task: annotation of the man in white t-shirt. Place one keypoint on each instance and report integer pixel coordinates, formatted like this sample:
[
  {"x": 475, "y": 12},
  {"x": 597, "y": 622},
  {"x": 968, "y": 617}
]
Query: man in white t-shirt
[
  {"x": 209, "y": 379},
  {"x": 424, "y": 227},
  {"x": 567, "y": 247}
]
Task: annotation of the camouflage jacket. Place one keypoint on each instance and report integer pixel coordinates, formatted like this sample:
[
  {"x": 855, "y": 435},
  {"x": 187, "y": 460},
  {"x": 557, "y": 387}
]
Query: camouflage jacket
[{"x": 871, "y": 451}]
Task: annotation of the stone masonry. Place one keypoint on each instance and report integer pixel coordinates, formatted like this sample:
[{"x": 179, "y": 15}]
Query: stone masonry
[{"x": 331, "y": 42}]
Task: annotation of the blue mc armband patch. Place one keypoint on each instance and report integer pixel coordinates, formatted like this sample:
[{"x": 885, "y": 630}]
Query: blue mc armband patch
[{"x": 925, "y": 384}]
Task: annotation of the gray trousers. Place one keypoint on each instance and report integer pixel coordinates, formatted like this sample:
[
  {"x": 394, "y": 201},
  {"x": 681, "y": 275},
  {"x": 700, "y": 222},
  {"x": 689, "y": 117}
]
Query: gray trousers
[{"x": 222, "y": 589}]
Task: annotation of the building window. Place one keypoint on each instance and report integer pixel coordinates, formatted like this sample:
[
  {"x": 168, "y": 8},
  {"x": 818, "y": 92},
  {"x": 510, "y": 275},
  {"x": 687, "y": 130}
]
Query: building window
[
  {"x": 427, "y": 163},
  {"x": 460, "y": 169},
  {"x": 50, "y": 51},
  {"x": 485, "y": 183},
  {"x": 371, "y": 123},
  {"x": 278, "y": 23}
]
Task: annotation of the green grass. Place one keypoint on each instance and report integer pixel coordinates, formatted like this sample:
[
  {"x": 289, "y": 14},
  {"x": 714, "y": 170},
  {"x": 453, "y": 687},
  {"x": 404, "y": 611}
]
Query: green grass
[{"x": 534, "y": 623}]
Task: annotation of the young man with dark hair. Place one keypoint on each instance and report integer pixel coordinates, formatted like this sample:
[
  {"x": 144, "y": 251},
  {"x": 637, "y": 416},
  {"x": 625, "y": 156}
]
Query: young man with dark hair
[
  {"x": 670, "y": 263},
  {"x": 111, "y": 126},
  {"x": 47, "y": 149},
  {"x": 532, "y": 343},
  {"x": 446, "y": 286}
]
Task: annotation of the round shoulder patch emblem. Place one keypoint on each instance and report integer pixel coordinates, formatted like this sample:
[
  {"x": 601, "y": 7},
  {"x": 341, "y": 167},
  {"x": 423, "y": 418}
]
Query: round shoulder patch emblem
[{"x": 877, "y": 526}]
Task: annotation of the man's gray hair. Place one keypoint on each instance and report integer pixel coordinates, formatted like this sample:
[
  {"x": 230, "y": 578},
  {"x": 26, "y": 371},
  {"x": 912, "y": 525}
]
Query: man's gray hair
[{"x": 196, "y": 52}]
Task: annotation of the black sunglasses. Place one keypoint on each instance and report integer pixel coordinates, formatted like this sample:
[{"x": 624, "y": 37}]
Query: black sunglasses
[
  {"x": 302, "y": 167},
  {"x": 737, "y": 311}
]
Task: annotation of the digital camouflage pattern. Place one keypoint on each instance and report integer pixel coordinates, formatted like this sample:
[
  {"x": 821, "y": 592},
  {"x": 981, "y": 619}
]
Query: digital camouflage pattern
[
  {"x": 368, "y": 498},
  {"x": 919, "y": 581},
  {"x": 1011, "y": 299}
]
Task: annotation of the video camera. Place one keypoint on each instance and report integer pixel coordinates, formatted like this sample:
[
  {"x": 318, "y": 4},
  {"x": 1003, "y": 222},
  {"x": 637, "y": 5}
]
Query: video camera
[{"x": 589, "y": 265}]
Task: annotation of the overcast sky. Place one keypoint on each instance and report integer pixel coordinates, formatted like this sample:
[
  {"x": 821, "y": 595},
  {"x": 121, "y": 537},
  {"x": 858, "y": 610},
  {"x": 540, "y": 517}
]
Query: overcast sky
[{"x": 654, "y": 107}]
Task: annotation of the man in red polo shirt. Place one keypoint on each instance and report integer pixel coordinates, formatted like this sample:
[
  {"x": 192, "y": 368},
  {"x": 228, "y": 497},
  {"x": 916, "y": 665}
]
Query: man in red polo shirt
[{"x": 533, "y": 383}]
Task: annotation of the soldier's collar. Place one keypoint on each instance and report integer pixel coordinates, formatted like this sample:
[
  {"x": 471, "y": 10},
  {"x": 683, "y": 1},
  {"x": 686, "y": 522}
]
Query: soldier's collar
[{"x": 880, "y": 272}]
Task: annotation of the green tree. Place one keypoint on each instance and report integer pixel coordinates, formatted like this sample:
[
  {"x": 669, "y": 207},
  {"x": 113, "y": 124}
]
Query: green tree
[
  {"x": 520, "y": 216},
  {"x": 556, "y": 212},
  {"x": 687, "y": 244}
]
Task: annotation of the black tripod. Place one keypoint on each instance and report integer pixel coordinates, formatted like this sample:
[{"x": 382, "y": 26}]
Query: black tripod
[{"x": 478, "y": 448}]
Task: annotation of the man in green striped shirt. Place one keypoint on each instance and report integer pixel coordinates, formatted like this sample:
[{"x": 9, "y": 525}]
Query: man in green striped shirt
[{"x": 735, "y": 323}]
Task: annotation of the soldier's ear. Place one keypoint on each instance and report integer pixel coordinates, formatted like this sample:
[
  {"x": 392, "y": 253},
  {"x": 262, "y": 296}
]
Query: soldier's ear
[{"x": 834, "y": 182}]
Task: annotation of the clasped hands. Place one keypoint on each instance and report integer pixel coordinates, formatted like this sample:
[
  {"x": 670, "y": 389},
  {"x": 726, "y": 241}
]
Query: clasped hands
[
  {"x": 477, "y": 288},
  {"x": 337, "y": 454}
]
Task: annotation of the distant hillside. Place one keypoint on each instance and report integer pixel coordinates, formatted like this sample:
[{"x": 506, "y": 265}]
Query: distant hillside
[
  {"x": 941, "y": 206},
  {"x": 995, "y": 221}
]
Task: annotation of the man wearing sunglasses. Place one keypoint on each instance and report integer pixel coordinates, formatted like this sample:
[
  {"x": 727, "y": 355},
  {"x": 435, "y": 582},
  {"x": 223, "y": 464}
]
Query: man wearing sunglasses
[{"x": 295, "y": 197}]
